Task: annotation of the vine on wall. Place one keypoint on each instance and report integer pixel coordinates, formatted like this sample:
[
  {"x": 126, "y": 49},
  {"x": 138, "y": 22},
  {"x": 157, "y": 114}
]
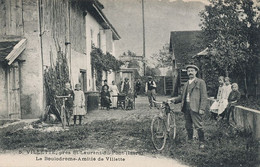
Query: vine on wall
[
  {"x": 55, "y": 79},
  {"x": 103, "y": 62}
]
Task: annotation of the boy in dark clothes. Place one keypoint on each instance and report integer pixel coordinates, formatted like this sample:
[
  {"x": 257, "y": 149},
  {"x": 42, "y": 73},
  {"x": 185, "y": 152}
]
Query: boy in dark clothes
[
  {"x": 233, "y": 97},
  {"x": 69, "y": 102}
]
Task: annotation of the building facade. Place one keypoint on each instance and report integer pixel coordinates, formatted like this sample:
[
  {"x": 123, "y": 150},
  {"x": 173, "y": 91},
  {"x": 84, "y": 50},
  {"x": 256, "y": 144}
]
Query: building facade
[{"x": 32, "y": 32}]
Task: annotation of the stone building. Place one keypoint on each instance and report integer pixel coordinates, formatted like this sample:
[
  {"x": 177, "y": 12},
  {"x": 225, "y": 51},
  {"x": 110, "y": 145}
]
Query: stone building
[{"x": 32, "y": 32}]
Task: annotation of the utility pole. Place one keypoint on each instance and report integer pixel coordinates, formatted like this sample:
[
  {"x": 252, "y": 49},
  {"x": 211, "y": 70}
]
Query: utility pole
[{"x": 143, "y": 37}]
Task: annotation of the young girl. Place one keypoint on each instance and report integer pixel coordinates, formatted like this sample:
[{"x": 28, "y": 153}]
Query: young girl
[
  {"x": 79, "y": 104},
  {"x": 214, "y": 107},
  {"x": 224, "y": 100},
  {"x": 233, "y": 98}
]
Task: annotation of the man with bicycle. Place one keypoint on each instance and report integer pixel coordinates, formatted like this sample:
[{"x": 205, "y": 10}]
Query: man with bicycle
[{"x": 194, "y": 101}]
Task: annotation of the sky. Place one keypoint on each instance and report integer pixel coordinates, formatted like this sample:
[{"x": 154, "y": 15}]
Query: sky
[{"x": 161, "y": 17}]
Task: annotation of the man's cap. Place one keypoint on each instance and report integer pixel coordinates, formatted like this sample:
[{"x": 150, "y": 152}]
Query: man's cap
[
  {"x": 105, "y": 80},
  {"x": 192, "y": 66},
  {"x": 150, "y": 77}
]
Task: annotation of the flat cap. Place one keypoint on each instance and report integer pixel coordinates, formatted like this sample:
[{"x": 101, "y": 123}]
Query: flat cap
[
  {"x": 149, "y": 77},
  {"x": 192, "y": 66}
]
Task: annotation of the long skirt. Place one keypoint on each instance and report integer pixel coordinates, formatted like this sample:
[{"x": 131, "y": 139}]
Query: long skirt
[
  {"x": 114, "y": 100},
  {"x": 77, "y": 110}
]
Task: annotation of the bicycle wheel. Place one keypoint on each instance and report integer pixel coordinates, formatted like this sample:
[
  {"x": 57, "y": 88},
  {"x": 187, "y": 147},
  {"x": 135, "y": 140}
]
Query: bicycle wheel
[
  {"x": 63, "y": 116},
  {"x": 68, "y": 115},
  {"x": 171, "y": 125},
  {"x": 159, "y": 133}
]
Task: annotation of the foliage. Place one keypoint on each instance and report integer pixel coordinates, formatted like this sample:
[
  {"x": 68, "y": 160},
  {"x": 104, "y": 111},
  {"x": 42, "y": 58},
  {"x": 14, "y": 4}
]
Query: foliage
[
  {"x": 163, "y": 58},
  {"x": 55, "y": 79},
  {"x": 134, "y": 64},
  {"x": 131, "y": 60},
  {"x": 103, "y": 62},
  {"x": 230, "y": 28},
  {"x": 152, "y": 71}
]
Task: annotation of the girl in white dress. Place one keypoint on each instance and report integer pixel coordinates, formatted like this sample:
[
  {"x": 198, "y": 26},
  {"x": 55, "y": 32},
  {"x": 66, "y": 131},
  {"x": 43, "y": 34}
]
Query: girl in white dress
[
  {"x": 224, "y": 100},
  {"x": 114, "y": 92},
  {"x": 79, "y": 104},
  {"x": 215, "y": 106}
]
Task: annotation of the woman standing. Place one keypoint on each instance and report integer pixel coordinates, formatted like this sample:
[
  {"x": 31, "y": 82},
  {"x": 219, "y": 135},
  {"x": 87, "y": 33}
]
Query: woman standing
[
  {"x": 79, "y": 104},
  {"x": 114, "y": 92}
]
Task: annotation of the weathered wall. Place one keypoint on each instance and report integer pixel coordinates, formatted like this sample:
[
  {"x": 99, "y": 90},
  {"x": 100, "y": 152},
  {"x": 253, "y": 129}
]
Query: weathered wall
[
  {"x": 3, "y": 93},
  {"x": 92, "y": 31},
  {"x": 31, "y": 69},
  {"x": 11, "y": 18},
  {"x": 246, "y": 118}
]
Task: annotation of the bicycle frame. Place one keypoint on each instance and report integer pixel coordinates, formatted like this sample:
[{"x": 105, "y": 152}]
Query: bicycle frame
[
  {"x": 163, "y": 125},
  {"x": 63, "y": 108}
]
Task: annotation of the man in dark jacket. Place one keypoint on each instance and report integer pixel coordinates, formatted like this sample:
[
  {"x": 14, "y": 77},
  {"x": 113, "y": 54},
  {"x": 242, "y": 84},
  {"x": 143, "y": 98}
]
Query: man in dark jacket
[
  {"x": 150, "y": 89},
  {"x": 194, "y": 101}
]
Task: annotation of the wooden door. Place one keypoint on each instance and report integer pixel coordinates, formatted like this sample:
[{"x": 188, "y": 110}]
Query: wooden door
[
  {"x": 83, "y": 80},
  {"x": 14, "y": 106}
]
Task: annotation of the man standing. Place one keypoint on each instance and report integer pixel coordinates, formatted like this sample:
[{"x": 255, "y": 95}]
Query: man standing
[
  {"x": 150, "y": 88},
  {"x": 126, "y": 86},
  {"x": 194, "y": 101},
  {"x": 138, "y": 87}
]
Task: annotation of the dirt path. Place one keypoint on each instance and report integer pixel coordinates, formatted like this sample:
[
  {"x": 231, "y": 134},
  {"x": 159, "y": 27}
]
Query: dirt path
[{"x": 141, "y": 110}]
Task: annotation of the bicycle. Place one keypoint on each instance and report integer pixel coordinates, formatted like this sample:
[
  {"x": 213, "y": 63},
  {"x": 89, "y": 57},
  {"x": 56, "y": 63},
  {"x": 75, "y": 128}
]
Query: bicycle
[
  {"x": 163, "y": 125},
  {"x": 64, "y": 114}
]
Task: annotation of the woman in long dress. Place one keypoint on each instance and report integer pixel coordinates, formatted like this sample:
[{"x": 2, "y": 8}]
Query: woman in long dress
[{"x": 114, "y": 92}]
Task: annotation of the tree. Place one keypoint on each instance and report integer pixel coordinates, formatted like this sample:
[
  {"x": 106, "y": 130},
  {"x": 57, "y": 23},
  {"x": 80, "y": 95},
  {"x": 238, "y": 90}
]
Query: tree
[
  {"x": 131, "y": 60},
  {"x": 163, "y": 58},
  {"x": 230, "y": 28},
  {"x": 152, "y": 71}
]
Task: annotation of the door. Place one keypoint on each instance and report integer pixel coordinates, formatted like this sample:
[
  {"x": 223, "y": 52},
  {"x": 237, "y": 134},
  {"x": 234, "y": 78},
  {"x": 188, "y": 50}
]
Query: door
[
  {"x": 14, "y": 106},
  {"x": 83, "y": 80}
]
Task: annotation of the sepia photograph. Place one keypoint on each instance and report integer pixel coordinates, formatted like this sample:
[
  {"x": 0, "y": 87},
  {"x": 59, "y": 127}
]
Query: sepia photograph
[{"x": 123, "y": 83}]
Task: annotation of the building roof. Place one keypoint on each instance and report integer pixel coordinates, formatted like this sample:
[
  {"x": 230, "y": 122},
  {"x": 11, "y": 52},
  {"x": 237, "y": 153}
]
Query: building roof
[
  {"x": 94, "y": 7},
  {"x": 185, "y": 44},
  {"x": 10, "y": 50},
  {"x": 5, "y": 48}
]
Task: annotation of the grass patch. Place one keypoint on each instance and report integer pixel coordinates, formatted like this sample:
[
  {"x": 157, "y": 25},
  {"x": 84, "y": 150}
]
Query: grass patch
[{"x": 225, "y": 146}]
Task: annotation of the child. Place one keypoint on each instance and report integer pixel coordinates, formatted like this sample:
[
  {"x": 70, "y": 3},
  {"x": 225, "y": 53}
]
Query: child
[
  {"x": 130, "y": 99},
  {"x": 233, "y": 97},
  {"x": 79, "y": 104},
  {"x": 224, "y": 100},
  {"x": 69, "y": 102},
  {"x": 214, "y": 107},
  {"x": 105, "y": 98}
]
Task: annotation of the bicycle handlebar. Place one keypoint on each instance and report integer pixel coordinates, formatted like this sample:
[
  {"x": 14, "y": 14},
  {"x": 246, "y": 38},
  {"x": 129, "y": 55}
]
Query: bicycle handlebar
[
  {"x": 160, "y": 102},
  {"x": 59, "y": 97}
]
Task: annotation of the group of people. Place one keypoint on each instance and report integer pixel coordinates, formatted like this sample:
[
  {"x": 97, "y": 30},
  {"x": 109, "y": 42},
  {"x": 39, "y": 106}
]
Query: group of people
[
  {"x": 227, "y": 97},
  {"x": 194, "y": 102},
  {"x": 109, "y": 94},
  {"x": 75, "y": 103}
]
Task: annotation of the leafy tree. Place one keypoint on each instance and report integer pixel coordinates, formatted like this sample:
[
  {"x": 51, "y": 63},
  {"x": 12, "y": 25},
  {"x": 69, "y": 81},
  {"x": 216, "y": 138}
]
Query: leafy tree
[
  {"x": 230, "y": 28},
  {"x": 134, "y": 64},
  {"x": 163, "y": 58},
  {"x": 152, "y": 71},
  {"x": 131, "y": 60}
]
